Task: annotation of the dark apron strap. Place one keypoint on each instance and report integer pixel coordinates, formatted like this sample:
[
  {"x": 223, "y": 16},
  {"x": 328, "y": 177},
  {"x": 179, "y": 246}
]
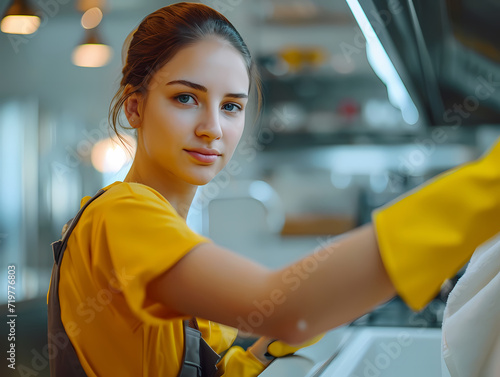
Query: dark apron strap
[
  {"x": 199, "y": 359},
  {"x": 65, "y": 360}
]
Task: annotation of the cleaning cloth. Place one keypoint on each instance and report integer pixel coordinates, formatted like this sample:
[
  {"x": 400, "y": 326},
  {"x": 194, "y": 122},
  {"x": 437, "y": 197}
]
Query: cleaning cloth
[{"x": 471, "y": 321}]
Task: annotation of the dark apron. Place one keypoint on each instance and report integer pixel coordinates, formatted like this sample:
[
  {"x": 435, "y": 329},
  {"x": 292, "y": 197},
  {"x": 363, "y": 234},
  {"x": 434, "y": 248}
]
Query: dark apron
[{"x": 199, "y": 359}]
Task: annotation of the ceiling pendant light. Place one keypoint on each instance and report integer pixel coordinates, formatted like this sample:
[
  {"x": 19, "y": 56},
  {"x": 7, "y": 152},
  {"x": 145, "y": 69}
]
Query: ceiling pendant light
[
  {"x": 20, "y": 19},
  {"x": 92, "y": 52}
]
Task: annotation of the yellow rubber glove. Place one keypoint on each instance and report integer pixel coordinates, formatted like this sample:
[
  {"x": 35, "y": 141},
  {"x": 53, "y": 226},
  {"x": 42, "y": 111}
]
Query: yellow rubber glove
[
  {"x": 430, "y": 234},
  {"x": 240, "y": 363},
  {"x": 278, "y": 348},
  {"x": 266, "y": 349}
]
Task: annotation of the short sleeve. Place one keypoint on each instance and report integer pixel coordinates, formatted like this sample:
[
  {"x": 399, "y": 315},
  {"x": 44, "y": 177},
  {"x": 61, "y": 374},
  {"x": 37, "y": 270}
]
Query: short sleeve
[{"x": 144, "y": 237}]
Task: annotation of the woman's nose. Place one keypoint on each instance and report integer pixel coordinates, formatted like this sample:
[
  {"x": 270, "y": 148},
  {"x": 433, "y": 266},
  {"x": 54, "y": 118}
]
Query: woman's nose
[{"x": 209, "y": 124}]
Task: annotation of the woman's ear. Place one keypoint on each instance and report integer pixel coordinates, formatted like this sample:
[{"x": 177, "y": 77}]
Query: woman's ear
[{"x": 132, "y": 108}]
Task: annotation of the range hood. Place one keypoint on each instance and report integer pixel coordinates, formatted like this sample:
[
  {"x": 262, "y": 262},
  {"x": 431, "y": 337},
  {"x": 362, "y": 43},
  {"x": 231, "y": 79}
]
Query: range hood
[{"x": 446, "y": 52}]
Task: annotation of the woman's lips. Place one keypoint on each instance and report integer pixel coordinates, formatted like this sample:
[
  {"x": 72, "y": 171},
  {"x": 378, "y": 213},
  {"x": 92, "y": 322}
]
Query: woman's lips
[{"x": 207, "y": 156}]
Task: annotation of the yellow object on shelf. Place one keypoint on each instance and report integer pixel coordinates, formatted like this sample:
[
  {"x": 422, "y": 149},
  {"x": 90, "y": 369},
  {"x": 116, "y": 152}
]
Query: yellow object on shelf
[{"x": 299, "y": 58}]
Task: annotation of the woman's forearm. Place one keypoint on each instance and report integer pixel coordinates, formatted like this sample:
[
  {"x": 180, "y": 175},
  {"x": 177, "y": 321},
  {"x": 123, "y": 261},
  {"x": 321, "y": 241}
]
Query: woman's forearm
[{"x": 337, "y": 283}]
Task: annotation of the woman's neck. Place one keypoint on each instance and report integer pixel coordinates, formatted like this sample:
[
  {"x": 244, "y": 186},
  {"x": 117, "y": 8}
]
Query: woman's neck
[{"x": 179, "y": 194}]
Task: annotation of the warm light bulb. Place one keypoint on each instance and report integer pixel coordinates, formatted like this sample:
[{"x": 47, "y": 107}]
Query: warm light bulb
[
  {"x": 91, "y": 18},
  {"x": 109, "y": 156},
  {"x": 91, "y": 55},
  {"x": 20, "y": 24}
]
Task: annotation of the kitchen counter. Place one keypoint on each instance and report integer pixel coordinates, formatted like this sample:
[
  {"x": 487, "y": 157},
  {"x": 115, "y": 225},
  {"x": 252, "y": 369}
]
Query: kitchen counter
[{"x": 366, "y": 351}]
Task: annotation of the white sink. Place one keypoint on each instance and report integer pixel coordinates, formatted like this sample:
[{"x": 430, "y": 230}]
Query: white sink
[{"x": 389, "y": 352}]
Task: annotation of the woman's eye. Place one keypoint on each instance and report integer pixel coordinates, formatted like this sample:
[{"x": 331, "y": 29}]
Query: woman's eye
[
  {"x": 184, "y": 98},
  {"x": 231, "y": 107}
]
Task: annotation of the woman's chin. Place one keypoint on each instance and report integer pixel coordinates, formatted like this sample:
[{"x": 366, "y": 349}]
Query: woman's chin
[{"x": 200, "y": 180}]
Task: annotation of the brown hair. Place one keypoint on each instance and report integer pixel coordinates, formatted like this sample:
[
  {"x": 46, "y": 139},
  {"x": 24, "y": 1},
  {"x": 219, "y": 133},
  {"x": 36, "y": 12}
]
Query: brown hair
[{"x": 160, "y": 35}]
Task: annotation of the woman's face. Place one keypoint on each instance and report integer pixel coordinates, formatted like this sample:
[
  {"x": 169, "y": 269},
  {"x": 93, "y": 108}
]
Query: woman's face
[{"x": 194, "y": 114}]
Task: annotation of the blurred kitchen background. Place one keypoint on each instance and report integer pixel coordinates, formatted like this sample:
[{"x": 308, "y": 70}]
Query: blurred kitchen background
[{"x": 363, "y": 102}]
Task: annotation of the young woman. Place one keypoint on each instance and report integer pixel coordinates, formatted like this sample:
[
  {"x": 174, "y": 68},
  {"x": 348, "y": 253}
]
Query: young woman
[{"x": 133, "y": 271}]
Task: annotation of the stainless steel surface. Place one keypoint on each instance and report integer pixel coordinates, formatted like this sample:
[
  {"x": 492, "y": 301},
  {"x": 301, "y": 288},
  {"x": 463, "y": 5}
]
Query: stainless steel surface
[
  {"x": 319, "y": 368},
  {"x": 447, "y": 55},
  {"x": 304, "y": 360}
]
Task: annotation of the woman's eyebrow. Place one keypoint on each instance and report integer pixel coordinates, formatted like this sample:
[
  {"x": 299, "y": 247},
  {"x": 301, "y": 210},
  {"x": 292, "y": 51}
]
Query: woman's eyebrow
[
  {"x": 204, "y": 89},
  {"x": 190, "y": 84}
]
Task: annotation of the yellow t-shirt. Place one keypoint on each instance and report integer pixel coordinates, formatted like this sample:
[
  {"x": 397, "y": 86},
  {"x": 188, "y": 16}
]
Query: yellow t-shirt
[{"x": 124, "y": 239}]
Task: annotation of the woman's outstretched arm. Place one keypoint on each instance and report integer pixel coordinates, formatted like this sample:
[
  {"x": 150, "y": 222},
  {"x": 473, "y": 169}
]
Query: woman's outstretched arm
[{"x": 336, "y": 283}]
